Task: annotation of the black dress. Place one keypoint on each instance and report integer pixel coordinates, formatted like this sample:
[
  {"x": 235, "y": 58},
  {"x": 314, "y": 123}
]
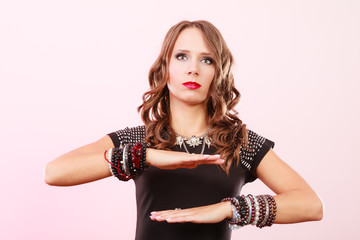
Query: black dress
[{"x": 158, "y": 189}]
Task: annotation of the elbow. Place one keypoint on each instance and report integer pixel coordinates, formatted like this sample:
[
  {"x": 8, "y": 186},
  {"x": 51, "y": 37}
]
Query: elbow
[
  {"x": 318, "y": 210},
  {"x": 51, "y": 176}
]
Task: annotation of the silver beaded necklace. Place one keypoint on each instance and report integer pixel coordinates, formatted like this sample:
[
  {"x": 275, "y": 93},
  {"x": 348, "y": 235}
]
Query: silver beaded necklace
[{"x": 194, "y": 141}]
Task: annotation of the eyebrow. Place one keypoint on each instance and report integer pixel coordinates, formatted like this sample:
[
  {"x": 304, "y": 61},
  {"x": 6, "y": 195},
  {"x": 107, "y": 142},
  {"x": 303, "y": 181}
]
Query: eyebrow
[{"x": 187, "y": 51}]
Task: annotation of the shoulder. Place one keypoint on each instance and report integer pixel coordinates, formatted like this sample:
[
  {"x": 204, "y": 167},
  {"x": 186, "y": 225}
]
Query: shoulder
[
  {"x": 128, "y": 135},
  {"x": 254, "y": 150},
  {"x": 256, "y": 141}
]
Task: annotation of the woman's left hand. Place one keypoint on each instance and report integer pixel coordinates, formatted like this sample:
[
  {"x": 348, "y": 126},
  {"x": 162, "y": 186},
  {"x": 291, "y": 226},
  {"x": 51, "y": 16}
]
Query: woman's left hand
[{"x": 206, "y": 214}]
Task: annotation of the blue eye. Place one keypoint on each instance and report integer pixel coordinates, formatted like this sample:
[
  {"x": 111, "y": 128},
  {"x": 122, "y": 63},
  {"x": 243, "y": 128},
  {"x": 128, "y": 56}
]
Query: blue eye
[
  {"x": 181, "y": 56},
  {"x": 207, "y": 61}
]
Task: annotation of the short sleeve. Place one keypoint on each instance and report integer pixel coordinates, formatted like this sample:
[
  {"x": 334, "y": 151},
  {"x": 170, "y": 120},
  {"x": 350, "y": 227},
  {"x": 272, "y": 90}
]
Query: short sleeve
[
  {"x": 128, "y": 135},
  {"x": 252, "y": 154}
]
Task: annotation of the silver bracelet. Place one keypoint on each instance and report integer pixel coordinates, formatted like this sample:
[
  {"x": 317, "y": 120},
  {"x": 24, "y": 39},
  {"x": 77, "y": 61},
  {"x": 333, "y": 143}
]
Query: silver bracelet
[
  {"x": 109, "y": 156},
  {"x": 248, "y": 201},
  {"x": 125, "y": 160}
]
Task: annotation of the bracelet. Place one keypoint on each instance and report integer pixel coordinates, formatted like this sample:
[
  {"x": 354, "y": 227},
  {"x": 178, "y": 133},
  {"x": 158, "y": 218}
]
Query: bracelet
[
  {"x": 248, "y": 220},
  {"x": 127, "y": 162},
  {"x": 262, "y": 224},
  {"x": 270, "y": 210},
  {"x": 118, "y": 161},
  {"x": 273, "y": 210},
  {"x": 236, "y": 218},
  {"x": 138, "y": 156},
  {"x": 244, "y": 210},
  {"x": 107, "y": 155},
  {"x": 259, "y": 211},
  {"x": 262, "y": 210},
  {"x": 114, "y": 155}
]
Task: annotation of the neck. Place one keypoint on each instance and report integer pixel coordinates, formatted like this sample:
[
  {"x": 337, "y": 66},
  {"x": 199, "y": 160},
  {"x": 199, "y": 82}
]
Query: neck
[{"x": 188, "y": 120}]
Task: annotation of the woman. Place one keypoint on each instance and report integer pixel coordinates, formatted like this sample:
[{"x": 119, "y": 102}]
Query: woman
[{"x": 198, "y": 153}]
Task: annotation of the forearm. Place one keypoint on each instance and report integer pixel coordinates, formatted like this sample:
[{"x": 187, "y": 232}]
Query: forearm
[
  {"x": 82, "y": 165},
  {"x": 296, "y": 201},
  {"x": 76, "y": 168},
  {"x": 298, "y": 206},
  {"x": 291, "y": 207}
]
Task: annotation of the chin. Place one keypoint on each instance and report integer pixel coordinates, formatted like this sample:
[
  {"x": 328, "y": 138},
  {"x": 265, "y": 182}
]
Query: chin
[
  {"x": 194, "y": 102},
  {"x": 188, "y": 99}
]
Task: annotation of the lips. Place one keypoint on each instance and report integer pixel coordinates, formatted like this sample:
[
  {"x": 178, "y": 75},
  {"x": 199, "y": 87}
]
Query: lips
[{"x": 192, "y": 85}]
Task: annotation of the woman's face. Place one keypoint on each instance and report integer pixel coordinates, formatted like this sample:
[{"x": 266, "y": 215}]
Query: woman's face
[{"x": 191, "y": 68}]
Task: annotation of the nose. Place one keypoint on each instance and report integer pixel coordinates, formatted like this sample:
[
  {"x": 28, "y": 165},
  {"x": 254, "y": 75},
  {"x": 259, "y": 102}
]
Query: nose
[{"x": 193, "y": 70}]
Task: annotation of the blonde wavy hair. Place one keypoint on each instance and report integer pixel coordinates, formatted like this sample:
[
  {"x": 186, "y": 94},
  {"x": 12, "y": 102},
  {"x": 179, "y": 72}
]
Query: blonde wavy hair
[{"x": 228, "y": 133}]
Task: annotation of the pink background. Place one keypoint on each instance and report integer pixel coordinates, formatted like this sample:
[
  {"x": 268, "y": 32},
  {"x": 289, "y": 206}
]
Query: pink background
[{"x": 72, "y": 71}]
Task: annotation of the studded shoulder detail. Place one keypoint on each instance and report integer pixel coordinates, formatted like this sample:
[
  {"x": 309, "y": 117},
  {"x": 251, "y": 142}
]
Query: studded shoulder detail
[
  {"x": 131, "y": 135},
  {"x": 248, "y": 153}
]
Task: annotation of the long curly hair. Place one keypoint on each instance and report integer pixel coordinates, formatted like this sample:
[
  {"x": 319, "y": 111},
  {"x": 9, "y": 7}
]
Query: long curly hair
[{"x": 228, "y": 133}]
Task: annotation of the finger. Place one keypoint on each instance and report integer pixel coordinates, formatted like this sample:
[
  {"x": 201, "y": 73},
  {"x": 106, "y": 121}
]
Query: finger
[
  {"x": 163, "y": 215},
  {"x": 164, "y": 212},
  {"x": 193, "y": 215},
  {"x": 173, "y": 212},
  {"x": 159, "y": 213},
  {"x": 178, "y": 211},
  {"x": 176, "y": 215},
  {"x": 202, "y": 214},
  {"x": 195, "y": 164},
  {"x": 199, "y": 157},
  {"x": 203, "y": 159},
  {"x": 214, "y": 162},
  {"x": 213, "y": 157},
  {"x": 182, "y": 219}
]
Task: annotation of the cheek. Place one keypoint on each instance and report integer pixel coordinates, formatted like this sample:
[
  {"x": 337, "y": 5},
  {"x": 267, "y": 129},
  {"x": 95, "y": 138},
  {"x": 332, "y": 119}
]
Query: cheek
[
  {"x": 175, "y": 70},
  {"x": 173, "y": 76},
  {"x": 212, "y": 71},
  {"x": 210, "y": 74}
]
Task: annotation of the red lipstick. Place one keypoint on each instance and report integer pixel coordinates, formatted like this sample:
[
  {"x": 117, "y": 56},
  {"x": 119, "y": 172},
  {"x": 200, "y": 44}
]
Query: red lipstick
[{"x": 192, "y": 85}]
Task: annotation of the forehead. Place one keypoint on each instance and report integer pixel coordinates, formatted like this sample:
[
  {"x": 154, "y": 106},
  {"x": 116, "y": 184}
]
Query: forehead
[{"x": 191, "y": 39}]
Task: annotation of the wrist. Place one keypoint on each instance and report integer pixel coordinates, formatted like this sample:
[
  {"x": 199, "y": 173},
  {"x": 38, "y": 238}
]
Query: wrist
[{"x": 227, "y": 209}]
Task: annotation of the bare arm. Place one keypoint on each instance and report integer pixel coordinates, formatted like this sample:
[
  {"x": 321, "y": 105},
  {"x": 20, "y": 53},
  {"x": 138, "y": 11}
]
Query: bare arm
[
  {"x": 82, "y": 165},
  {"x": 87, "y": 163},
  {"x": 296, "y": 200}
]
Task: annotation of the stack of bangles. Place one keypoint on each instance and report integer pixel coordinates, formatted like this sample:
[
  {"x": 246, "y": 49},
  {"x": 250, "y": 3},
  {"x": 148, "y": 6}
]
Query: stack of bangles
[
  {"x": 255, "y": 210},
  {"x": 128, "y": 161}
]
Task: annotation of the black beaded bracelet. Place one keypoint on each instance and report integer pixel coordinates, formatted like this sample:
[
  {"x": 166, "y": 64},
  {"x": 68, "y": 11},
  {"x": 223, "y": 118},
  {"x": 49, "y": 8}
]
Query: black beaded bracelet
[
  {"x": 138, "y": 158},
  {"x": 244, "y": 210},
  {"x": 256, "y": 210},
  {"x": 117, "y": 164},
  {"x": 128, "y": 162}
]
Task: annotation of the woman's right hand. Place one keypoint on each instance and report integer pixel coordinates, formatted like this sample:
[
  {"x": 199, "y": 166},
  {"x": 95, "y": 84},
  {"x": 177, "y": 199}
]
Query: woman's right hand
[{"x": 171, "y": 160}]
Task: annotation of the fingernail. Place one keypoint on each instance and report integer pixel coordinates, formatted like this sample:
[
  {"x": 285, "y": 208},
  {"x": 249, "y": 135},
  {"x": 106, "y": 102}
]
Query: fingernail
[
  {"x": 154, "y": 212},
  {"x": 168, "y": 219},
  {"x": 206, "y": 155}
]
